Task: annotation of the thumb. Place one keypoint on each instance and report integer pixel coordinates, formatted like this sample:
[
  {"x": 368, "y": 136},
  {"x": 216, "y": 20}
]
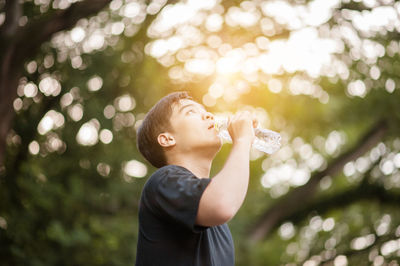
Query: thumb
[{"x": 255, "y": 122}]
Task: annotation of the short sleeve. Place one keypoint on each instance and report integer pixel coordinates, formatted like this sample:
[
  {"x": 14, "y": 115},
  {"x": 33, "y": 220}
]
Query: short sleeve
[{"x": 177, "y": 195}]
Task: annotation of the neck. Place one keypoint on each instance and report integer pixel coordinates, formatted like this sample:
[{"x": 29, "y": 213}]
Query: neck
[{"x": 200, "y": 166}]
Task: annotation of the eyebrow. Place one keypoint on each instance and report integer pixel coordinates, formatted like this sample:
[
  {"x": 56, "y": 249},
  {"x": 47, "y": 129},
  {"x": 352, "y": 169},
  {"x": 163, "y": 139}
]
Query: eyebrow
[{"x": 191, "y": 105}]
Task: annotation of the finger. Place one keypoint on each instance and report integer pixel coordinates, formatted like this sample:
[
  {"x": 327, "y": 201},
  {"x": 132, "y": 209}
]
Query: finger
[
  {"x": 244, "y": 114},
  {"x": 255, "y": 123},
  {"x": 236, "y": 116},
  {"x": 230, "y": 119}
]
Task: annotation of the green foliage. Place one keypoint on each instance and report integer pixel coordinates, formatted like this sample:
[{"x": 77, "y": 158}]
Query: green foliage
[{"x": 66, "y": 203}]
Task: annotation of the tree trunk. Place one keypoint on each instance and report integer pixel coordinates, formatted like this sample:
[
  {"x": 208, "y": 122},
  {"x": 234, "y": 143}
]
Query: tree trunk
[
  {"x": 19, "y": 44},
  {"x": 9, "y": 74},
  {"x": 8, "y": 92}
]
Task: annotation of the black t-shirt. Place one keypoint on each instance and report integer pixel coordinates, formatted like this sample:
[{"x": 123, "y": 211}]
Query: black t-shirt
[{"x": 168, "y": 234}]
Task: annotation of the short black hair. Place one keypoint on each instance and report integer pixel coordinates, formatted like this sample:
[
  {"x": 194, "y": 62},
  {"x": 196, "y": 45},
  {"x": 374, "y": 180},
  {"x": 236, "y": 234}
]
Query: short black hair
[{"x": 157, "y": 121}]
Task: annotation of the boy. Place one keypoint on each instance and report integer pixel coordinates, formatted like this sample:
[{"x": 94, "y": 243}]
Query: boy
[{"x": 183, "y": 213}]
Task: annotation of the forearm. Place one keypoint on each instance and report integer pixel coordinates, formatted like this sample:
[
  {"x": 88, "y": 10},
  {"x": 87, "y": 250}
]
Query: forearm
[
  {"x": 226, "y": 192},
  {"x": 231, "y": 183}
]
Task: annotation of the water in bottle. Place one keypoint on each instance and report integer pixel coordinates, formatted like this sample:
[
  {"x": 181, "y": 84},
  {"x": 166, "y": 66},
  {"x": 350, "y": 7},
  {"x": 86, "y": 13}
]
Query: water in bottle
[{"x": 266, "y": 140}]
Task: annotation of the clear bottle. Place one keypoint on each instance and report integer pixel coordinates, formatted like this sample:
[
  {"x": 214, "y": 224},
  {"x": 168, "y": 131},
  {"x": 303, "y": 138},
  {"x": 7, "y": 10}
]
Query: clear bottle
[{"x": 266, "y": 140}]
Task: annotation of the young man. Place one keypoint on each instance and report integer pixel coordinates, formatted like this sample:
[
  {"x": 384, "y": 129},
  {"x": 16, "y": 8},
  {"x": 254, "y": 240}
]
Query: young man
[{"x": 183, "y": 213}]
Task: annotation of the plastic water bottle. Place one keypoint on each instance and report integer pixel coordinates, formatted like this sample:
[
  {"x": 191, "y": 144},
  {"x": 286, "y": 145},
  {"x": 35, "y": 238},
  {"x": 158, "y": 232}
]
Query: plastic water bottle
[{"x": 266, "y": 140}]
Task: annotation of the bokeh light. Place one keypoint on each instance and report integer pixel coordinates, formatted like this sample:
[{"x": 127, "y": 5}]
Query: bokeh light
[
  {"x": 75, "y": 112},
  {"x": 51, "y": 120},
  {"x": 88, "y": 133},
  {"x": 95, "y": 83},
  {"x": 294, "y": 64},
  {"x": 34, "y": 147},
  {"x": 135, "y": 168},
  {"x": 125, "y": 103},
  {"x": 106, "y": 136},
  {"x": 50, "y": 86}
]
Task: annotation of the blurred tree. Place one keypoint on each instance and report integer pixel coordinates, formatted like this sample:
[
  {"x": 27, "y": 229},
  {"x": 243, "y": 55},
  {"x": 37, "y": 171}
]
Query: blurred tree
[
  {"x": 48, "y": 213},
  {"x": 76, "y": 82},
  {"x": 21, "y": 43}
]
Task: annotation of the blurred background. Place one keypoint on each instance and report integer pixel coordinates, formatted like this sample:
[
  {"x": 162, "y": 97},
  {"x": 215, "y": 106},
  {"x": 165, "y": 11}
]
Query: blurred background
[{"x": 77, "y": 78}]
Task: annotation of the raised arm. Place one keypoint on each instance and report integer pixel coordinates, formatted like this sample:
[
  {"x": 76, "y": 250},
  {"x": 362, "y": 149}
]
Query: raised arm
[{"x": 226, "y": 192}]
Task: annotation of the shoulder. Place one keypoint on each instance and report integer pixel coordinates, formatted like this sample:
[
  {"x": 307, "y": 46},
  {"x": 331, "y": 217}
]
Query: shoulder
[
  {"x": 168, "y": 173},
  {"x": 171, "y": 171}
]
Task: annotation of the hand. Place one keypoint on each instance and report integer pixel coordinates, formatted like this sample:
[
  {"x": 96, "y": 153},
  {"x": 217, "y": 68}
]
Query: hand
[{"x": 241, "y": 127}]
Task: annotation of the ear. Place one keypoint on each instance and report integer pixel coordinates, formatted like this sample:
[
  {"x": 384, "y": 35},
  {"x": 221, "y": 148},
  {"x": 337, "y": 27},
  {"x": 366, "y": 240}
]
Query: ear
[{"x": 166, "y": 140}]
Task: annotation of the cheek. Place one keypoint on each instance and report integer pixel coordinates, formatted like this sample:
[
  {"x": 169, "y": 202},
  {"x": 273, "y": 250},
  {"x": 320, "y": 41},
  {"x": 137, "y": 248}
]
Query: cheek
[
  {"x": 183, "y": 130},
  {"x": 191, "y": 131},
  {"x": 184, "y": 126}
]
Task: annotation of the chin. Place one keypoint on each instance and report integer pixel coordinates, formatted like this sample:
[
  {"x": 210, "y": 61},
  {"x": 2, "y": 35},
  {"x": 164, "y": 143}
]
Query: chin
[{"x": 218, "y": 144}]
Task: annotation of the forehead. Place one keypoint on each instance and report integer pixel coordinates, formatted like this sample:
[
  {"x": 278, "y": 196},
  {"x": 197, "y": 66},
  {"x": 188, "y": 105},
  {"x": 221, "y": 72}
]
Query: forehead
[{"x": 181, "y": 104}]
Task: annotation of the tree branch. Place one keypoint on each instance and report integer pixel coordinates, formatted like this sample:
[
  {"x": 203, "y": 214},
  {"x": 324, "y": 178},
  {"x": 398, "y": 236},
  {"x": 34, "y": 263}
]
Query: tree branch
[
  {"x": 289, "y": 204},
  {"x": 13, "y": 12},
  {"x": 365, "y": 191},
  {"x": 35, "y": 33},
  {"x": 379, "y": 240}
]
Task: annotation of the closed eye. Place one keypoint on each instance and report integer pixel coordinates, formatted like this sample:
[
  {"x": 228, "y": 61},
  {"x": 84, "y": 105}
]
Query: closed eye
[{"x": 191, "y": 111}]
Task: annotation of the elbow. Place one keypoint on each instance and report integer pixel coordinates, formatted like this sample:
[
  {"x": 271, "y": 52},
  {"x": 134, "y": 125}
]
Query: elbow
[
  {"x": 225, "y": 213},
  {"x": 217, "y": 214}
]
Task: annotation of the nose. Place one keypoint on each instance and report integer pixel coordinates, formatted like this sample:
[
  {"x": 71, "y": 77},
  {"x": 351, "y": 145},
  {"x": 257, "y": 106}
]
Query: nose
[{"x": 208, "y": 115}]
